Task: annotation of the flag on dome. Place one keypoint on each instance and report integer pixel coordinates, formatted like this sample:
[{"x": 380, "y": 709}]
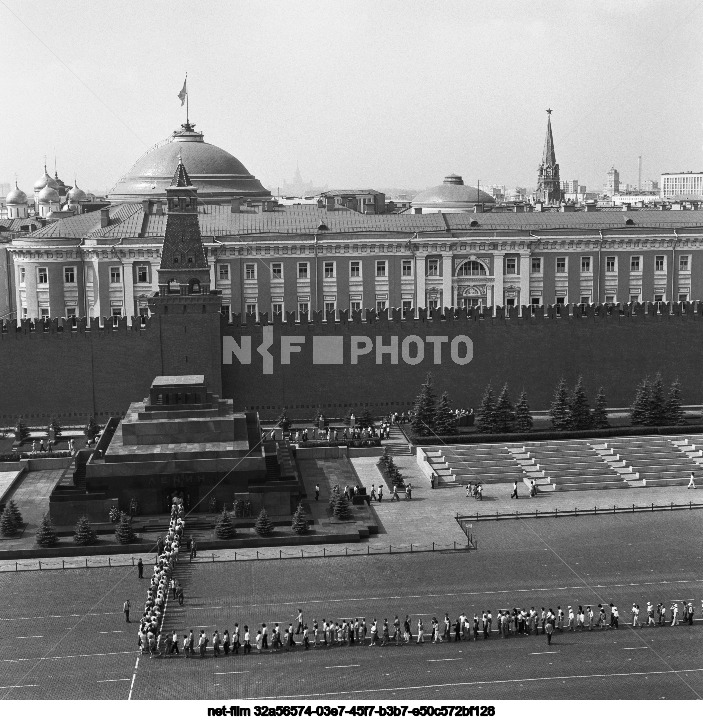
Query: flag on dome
[{"x": 184, "y": 92}]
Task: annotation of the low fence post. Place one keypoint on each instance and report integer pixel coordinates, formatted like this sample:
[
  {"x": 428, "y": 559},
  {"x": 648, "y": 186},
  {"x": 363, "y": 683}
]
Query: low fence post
[
  {"x": 63, "y": 563},
  {"x": 672, "y": 505},
  {"x": 257, "y": 554},
  {"x": 652, "y": 506},
  {"x": 86, "y": 563},
  {"x": 390, "y": 549},
  {"x": 109, "y": 564},
  {"x": 368, "y": 550},
  {"x": 433, "y": 545},
  {"x": 213, "y": 558},
  {"x": 323, "y": 551},
  {"x": 613, "y": 508},
  {"x": 690, "y": 506},
  {"x": 633, "y": 507},
  {"x": 16, "y": 569},
  {"x": 455, "y": 545},
  {"x": 235, "y": 555},
  {"x": 280, "y": 554},
  {"x": 132, "y": 560},
  {"x": 411, "y": 548},
  {"x": 40, "y": 564},
  {"x": 346, "y": 551}
]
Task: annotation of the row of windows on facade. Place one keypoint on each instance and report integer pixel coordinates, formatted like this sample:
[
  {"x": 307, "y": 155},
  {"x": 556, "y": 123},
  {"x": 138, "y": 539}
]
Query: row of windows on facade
[
  {"x": 408, "y": 306},
  {"x": 469, "y": 268},
  {"x": 70, "y": 274}
]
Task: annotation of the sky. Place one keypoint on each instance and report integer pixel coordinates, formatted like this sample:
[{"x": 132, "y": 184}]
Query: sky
[{"x": 360, "y": 94}]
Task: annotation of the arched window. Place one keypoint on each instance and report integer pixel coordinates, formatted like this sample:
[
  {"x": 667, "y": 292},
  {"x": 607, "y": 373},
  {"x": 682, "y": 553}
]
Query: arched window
[
  {"x": 471, "y": 267},
  {"x": 194, "y": 286}
]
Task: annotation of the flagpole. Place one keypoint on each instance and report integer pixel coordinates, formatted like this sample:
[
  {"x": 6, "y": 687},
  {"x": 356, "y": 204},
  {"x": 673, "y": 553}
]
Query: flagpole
[{"x": 187, "y": 99}]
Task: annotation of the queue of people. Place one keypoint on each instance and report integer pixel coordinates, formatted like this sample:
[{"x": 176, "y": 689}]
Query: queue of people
[
  {"x": 360, "y": 632},
  {"x": 161, "y": 582}
]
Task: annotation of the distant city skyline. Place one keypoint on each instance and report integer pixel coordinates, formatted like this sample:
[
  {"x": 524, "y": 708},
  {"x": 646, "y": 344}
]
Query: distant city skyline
[{"x": 393, "y": 95}]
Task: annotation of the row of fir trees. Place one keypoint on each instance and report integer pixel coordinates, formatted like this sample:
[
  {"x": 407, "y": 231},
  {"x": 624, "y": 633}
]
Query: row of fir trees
[
  {"x": 653, "y": 407},
  {"x": 501, "y": 416},
  {"x": 429, "y": 416}
]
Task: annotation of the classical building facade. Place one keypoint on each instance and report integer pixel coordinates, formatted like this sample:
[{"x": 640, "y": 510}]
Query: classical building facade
[{"x": 269, "y": 259}]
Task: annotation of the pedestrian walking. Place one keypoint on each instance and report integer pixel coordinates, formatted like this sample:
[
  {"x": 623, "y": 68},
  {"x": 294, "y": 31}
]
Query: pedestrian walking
[
  {"x": 317, "y": 491},
  {"x": 191, "y": 642},
  {"x": 549, "y": 628},
  {"x": 174, "y": 644},
  {"x": 514, "y": 493},
  {"x": 691, "y": 482},
  {"x": 180, "y": 596},
  {"x": 380, "y": 492},
  {"x": 299, "y": 619},
  {"x": 420, "y": 632},
  {"x": 373, "y": 492},
  {"x": 140, "y": 568},
  {"x": 247, "y": 640},
  {"x": 126, "y": 608}
]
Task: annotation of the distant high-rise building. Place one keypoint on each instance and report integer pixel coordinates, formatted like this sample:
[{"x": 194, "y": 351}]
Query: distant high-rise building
[
  {"x": 548, "y": 185},
  {"x": 612, "y": 184}
]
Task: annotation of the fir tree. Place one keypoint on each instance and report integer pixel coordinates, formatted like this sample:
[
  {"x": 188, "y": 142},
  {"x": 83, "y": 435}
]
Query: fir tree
[
  {"x": 334, "y": 497},
  {"x": 424, "y": 411},
  {"x": 283, "y": 422},
  {"x": 224, "y": 528},
  {"x": 21, "y": 431},
  {"x": 46, "y": 535},
  {"x": 300, "y": 521},
  {"x": 673, "y": 410},
  {"x": 640, "y": 406},
  {"x": 600, "y": 413},
  {"x": 15, "y": 512},
  {"x": 365, "y": 419},
  {"x": 485, "y": 418},
  {"x": 523, "y": 417},
  {"x": 91, "y": 429},
  {"x": 559, "y": 410},
  {"x": 504, "y": 414},
  {"x": 84, "y": 535},
  {"x": 656, "y": 414},
  {"x": 124, "y": 531},
  {"x": 444, "y": 424},
  {"x": 8, "y": 523},
  {"x": 56, "y": 427},
  {"x": 263, "y": 525},
  {"x": 342, "y": 511},
  {"x": 579, "y": 409}
]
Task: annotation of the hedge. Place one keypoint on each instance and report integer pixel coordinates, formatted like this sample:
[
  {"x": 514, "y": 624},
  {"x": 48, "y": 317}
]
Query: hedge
[
  {"x": 552, "y": 435},
  {"x": 356, "y": 443}
]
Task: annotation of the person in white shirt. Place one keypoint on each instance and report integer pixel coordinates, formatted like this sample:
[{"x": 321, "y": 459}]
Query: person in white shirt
[
  {"x": 675, "y": 614},
  {"x": 691, "y": 482}
]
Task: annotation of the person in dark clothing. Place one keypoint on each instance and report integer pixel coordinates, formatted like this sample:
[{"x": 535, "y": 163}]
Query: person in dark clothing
[{"x": 140, "y": 568}]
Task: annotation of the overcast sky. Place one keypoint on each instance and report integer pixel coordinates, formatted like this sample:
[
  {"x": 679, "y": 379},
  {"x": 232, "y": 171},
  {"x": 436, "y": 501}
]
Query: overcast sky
[{"x": 363, "y": 93}]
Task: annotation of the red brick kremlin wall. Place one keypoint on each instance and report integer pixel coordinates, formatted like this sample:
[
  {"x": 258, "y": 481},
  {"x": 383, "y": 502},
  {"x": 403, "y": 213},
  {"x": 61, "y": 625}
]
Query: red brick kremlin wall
[
  {"x": 614, "y": 351},
  {"x": 71, "y": 374}
]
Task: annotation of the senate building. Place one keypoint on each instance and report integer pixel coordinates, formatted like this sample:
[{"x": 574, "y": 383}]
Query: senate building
[{"x": 454, "y": 247}]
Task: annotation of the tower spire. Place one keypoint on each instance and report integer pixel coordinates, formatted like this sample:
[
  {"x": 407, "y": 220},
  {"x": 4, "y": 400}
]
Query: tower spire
[{"x": 548, "y": 183}]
